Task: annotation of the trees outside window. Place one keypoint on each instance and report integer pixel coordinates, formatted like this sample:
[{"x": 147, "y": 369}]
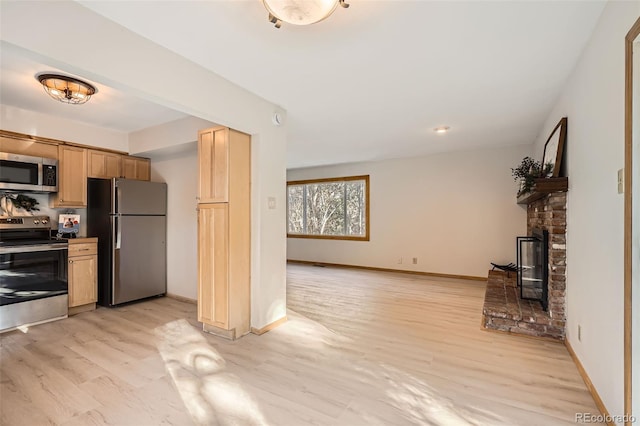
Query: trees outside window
[{"x": 335, "y": 208}]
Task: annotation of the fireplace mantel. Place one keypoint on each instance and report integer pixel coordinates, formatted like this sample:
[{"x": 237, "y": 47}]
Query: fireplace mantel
[{"x": 542, "y": 187}]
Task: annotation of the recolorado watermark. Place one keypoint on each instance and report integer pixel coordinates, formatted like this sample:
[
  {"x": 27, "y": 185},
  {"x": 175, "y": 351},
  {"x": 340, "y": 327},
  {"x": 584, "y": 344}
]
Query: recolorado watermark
[{"x": 599, "y": 418}]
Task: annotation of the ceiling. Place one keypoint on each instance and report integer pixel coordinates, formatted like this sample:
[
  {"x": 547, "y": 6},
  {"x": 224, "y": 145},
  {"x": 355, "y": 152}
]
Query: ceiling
[
  {"x": 108, "y": 108},
  {"x": 372, "y": 81}
]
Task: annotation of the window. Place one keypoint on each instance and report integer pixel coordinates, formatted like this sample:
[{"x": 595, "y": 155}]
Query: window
[{"x": 336, "y": 208}]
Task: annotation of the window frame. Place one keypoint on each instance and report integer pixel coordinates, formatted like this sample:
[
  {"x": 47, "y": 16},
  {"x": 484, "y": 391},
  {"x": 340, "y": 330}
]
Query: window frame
[{"x": 365, "y": 237}]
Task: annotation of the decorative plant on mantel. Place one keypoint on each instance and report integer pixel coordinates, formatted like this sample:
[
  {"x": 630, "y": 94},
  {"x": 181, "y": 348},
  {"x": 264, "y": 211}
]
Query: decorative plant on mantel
[{"x": 528, "y": 171}]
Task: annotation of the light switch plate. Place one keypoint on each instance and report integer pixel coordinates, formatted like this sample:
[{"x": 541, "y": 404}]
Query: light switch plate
[
  {"x": 271, "y": 202},
  {"x": 621, "y": 181}
]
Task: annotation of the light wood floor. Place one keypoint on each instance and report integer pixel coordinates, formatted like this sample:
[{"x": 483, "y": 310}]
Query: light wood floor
[{"x": 360, "y": 348}]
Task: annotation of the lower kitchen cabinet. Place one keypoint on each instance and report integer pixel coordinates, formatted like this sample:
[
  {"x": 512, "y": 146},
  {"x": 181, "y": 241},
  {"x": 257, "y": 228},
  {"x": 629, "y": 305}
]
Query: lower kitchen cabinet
[
  {"x": 224, "y": 288},
  {"x": 83, "y": 274}
]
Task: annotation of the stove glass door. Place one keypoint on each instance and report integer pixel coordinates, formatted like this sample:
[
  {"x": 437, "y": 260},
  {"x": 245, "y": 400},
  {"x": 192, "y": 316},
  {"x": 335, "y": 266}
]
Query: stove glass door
[{"x": 29, "y": 275}]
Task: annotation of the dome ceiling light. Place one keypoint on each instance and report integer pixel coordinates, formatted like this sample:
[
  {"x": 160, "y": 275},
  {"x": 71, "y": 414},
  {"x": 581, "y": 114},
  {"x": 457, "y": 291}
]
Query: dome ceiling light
[
  {"x": 66, "y": 89},
  {"x": 300, "y": 12}
]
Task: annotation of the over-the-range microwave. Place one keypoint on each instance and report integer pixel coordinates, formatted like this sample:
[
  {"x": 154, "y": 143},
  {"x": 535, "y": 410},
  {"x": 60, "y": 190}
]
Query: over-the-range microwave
[{"x": 26, "y": 173}]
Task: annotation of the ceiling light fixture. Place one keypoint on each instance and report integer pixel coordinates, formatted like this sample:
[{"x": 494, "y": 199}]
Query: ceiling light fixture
[
  {"x": 66, "y": 89},
  {"x": 300, "y": 12},
  {"x": 442, "y": 129}
]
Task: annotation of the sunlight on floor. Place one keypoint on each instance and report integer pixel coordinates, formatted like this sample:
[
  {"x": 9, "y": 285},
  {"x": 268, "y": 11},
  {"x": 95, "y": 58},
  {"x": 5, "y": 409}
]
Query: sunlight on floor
[
  {"x": 212, "y": 396},
  {"x": 313, "y": 335},
  {"x": 399, "y": 396},
  {"x": 425, "y": 404}
]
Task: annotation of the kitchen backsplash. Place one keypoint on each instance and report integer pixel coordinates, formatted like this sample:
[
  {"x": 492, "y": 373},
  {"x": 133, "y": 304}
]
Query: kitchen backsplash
[{"x": 43, "y": 200}]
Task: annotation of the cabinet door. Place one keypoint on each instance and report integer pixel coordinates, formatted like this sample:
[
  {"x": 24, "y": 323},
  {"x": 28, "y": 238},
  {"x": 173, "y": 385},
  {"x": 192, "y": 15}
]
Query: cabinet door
[
  {"x": 136, "y": 168},
  {"x": 128, "y": 167},
  {"x": 83, "y": 280},
  {"x": 213, "y": 165},
  {"x": 213, "y": 259},
  {"x": 72, "y": 177},
  {"x": 112, "y": 165},
  {"x": 28, "y": 147},
  {"x": 143, "y": 169},
  {"x": 103, "y": 164}
]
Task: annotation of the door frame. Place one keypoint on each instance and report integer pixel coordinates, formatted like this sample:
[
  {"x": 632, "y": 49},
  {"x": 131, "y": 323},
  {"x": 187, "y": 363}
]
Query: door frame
[{"x": 628, "y": 221}]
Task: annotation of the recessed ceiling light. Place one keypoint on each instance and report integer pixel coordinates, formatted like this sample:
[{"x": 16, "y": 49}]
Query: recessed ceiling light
[{"x": 441, "y": 129}]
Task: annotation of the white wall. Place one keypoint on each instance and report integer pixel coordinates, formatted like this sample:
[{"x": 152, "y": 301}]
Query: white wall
[
  {"x": 117, "y": 57},
  {"x": 174, "y": 160},
  {"x": 166, "y": 135},
  {"x": 179, "y": 169},
  {"x": 48, "y": 126},
  {"x": 593, "y": 101},
  {"x": 455, "y": 212}
]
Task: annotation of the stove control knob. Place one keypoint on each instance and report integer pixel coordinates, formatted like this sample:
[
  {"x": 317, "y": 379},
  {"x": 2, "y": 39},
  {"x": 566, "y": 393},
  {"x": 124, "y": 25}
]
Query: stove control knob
[
  {"x": 44, "y": 221},
  {"x": 36, "y": 221}
]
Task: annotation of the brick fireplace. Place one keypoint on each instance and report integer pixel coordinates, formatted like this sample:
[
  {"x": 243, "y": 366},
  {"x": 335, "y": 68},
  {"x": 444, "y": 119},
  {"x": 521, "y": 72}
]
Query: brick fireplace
[
  {"x": 503, "y": 309},
  {"x": 550, "y": 213}
]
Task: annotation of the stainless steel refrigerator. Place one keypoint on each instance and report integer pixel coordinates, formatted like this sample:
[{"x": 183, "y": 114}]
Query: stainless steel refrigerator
[{"x": 129, "y": 218}]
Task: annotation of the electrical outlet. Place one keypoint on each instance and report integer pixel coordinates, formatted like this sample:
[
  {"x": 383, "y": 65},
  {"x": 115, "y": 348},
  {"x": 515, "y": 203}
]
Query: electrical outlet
[
  {"x": 621, "y": 181},
  {"x": 415, "y": 260},
  {"x": 399, "y": 261},
  {"x": 271, "y": 203},
  {"x": 579, "y": 333}
]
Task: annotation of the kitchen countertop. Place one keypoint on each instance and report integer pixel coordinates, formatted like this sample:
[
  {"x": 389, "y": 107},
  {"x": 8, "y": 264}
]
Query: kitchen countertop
[{"x": 80, "y": 240}]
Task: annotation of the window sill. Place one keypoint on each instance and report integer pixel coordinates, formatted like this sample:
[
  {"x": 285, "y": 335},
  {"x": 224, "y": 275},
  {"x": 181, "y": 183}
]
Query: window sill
[{"x": 329, "y": 237}]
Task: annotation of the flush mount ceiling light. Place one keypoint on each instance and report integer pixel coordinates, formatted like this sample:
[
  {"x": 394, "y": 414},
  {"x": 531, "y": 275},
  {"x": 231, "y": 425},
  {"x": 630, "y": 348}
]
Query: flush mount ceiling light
[
  {"x": 300, "y": 12},
  {"x": 66, "y": 89},
  {"x": 441, "y": 129}
]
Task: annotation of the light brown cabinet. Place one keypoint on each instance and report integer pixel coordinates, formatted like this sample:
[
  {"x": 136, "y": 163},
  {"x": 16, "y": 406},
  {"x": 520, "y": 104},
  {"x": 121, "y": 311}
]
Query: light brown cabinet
[
  {"x": 72, "y": 177},
  {"x": 224, "y": 232},
  {"x": 75, "y": 164},
  {"x": 28, "y": 147},
  {"x": 213, "y": 165},
  {"x": 136, "y": 168},
  {"x": 83, "y": 274},
  {"x": 104, "y": 164},
  {"x": 213, "y": 259}
]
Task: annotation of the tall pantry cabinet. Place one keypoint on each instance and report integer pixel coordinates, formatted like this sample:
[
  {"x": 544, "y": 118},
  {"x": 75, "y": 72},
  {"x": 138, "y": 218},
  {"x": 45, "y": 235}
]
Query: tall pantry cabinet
[{"x": 224, "y": 231}]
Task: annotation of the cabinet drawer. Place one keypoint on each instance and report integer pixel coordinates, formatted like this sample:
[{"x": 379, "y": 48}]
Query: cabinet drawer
[{"x": 83, "y": 249}]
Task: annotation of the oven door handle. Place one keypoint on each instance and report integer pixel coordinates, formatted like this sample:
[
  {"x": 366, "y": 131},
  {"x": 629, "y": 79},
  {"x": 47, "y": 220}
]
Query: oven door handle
[{"x": 34, "y": 248}]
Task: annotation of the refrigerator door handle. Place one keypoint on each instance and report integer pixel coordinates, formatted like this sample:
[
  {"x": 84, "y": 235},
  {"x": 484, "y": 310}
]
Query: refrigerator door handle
[
  {"x": 115, "y": 202},
  {"x": 117, "y": 237},
  {"x": 115, "y": 256}
]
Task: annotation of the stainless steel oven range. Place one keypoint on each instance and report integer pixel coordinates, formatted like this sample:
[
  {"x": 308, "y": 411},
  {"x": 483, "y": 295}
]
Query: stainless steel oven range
[{"x": 33, "y": 272}]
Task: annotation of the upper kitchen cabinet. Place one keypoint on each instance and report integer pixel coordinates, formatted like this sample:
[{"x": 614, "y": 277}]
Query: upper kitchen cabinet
[
  {"x": 136, "y": 168},
  {"x": 104, "y": 164},
  {"x": 216, "y": 148},
  {"x": 72, "y": 177},
  {"x": 28, "y": 147}
]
